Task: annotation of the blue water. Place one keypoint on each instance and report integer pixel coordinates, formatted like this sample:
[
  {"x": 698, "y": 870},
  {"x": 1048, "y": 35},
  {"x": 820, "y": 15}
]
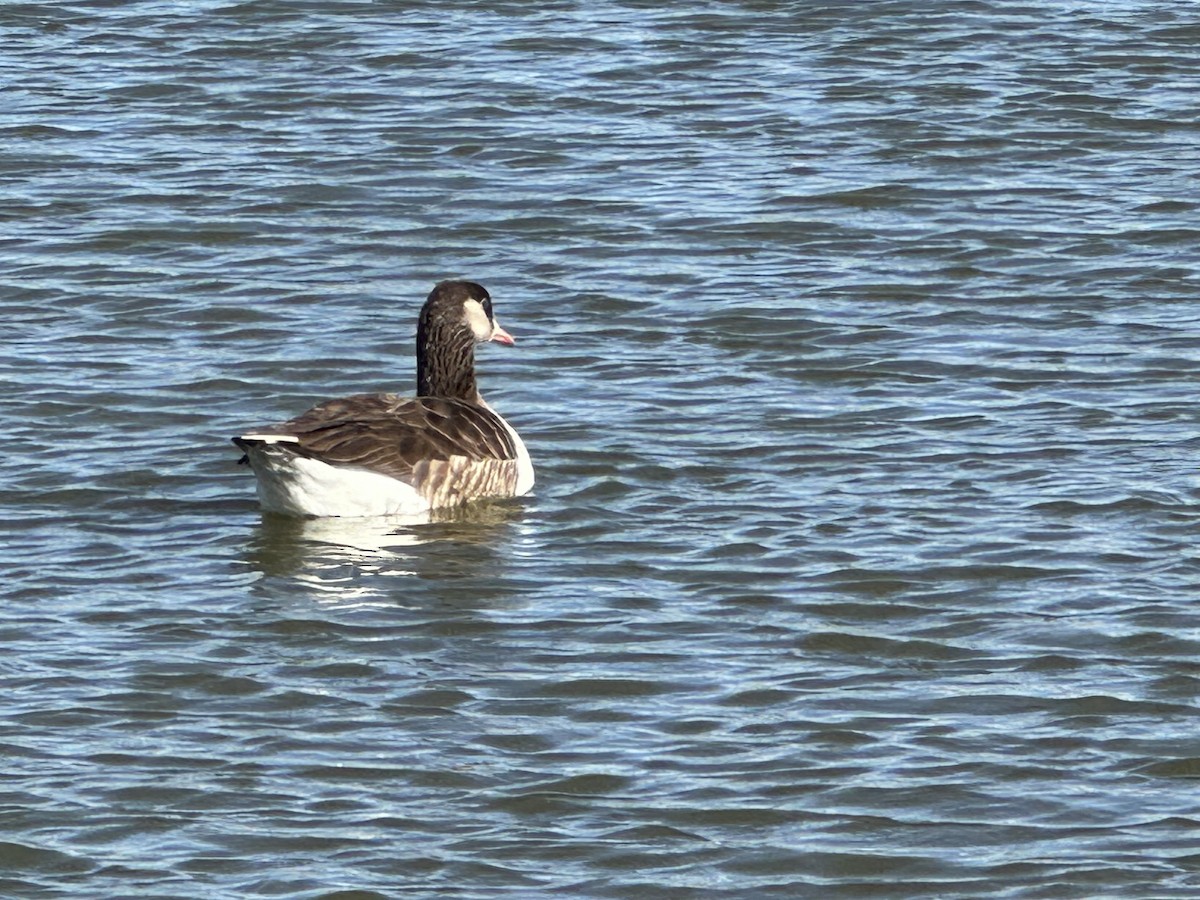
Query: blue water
[{"x": 855, "y": 350}]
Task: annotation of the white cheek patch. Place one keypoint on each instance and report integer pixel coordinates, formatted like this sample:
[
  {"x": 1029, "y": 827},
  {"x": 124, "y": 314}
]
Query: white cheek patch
[{"x": 478, "y": 320}]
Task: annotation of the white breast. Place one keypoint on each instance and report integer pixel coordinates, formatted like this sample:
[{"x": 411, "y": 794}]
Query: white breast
[{"x": 524, "y": 463}]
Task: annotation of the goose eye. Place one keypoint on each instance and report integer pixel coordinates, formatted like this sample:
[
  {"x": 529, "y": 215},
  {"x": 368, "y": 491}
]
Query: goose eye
[{"x": 487, "y": 306}]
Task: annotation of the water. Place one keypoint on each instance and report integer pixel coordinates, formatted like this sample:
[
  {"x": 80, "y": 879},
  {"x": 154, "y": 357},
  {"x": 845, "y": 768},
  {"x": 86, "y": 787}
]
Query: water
[{"x": 857, "y": 353}]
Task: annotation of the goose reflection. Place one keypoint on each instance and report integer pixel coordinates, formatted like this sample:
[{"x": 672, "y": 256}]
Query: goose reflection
[{"x": 345, "y": 558}]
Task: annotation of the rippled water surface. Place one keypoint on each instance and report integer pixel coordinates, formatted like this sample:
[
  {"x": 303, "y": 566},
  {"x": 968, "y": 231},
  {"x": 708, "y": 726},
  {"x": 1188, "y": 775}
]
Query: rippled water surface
[{"x": 858, "y": 354}]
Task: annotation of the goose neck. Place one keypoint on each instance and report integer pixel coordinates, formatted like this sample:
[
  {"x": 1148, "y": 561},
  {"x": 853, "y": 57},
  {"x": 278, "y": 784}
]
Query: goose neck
[{"x": 446, "y": 363}]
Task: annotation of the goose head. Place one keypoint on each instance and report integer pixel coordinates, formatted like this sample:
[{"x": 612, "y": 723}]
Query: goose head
[{"x": 456, "y": 316}]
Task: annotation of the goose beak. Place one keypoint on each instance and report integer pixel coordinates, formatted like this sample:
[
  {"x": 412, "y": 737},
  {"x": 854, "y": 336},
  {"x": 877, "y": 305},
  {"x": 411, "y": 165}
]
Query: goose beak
[{"x": 500, "y": 336}]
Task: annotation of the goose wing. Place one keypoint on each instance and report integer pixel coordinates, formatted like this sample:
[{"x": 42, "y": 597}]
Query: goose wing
[{"x": 449, "y": 450}]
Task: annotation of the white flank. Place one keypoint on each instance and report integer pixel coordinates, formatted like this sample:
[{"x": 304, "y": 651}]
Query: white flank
[{"x": 299, "y": 486}]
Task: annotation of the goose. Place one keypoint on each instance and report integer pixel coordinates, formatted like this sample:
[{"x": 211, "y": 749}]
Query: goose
[{"x": 387, "y": 455}]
